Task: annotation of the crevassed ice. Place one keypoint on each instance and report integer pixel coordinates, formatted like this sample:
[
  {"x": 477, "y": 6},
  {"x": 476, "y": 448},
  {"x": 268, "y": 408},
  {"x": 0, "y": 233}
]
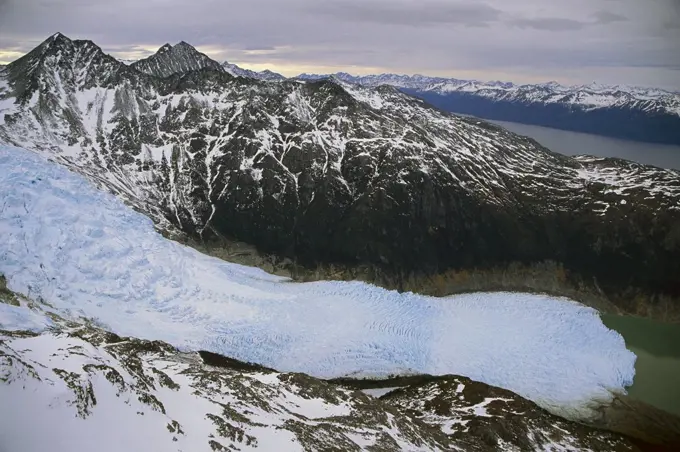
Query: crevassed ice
[{"x": 89, "y": 255}]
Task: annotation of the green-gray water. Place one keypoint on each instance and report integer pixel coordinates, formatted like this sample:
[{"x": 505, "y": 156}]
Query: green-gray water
[{"x": 657, "y": 369}]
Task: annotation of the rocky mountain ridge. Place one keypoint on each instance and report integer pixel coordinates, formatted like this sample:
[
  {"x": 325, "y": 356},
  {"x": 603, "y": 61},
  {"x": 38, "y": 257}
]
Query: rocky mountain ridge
[
  {"x": 266, "y": 74},
  {"x": 169, "y": 60},
  {"x": 590, "y": 96},
  {"x": 620, "y": 111},
  {"x": 627, "y": 112},
  {"x": 183, "y": 57},
  {"x": 331, "y": 172}
]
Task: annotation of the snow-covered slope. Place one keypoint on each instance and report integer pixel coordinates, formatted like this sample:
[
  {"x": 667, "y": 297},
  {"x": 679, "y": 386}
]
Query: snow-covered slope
[
  {"x": 259, "y": 75},
  {"x": 330, "y": 172},
  {"x": 177, "y": 59},
  {"x": 87, "y": 254},
  {"x": 401, "y": 81},
  {"x": 459, "y": 407},
  {"x": 588, "y": 97},
  {"x": 79, "y": 388}
]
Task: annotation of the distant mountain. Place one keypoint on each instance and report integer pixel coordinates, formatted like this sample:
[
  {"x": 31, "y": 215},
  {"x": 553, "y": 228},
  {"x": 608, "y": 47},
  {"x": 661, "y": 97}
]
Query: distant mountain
[
  {"x": 169, "y": 60},
  {"x": 186, "y": 58},
  {"x": 262, "y": 75},
  {"x": 183, "y": 58},
  {"x": 400, "y": 81},
  {"x": 127, "y": 61},
  {"x": 626, "y": 112},
  {"x": 329, "y": 172}
]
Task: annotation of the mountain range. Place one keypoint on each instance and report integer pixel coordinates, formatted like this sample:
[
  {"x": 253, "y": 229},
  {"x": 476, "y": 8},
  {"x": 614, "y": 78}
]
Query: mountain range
[
  {"x": 184, "y": 57},
  {"x": 619, "y": 111},
  {"x": 169, "y": 60},
  {"x": 261, "y": 75},
  {"x": 594, "y": 95},
  {"x": 327, "y": 173},
  {"x": 626, "y": 112}
]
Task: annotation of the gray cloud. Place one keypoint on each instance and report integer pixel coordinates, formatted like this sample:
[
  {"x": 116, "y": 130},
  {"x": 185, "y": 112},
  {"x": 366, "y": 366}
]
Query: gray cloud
[
  {"x": 549, "y": 24},
  {"x": 521, "y": 40},
  {"x": 259, "y": 48},
  {"x": 607, "y": 17},
  {"x": 601, "y": 17},
  {"x": 410, "y": 13}
]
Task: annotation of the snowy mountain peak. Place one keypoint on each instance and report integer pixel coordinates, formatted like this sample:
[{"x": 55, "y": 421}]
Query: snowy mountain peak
[
  {"x": 400, "y": 81},
  {"x": 238, "y": 71},
  {"x": 180, "y": 58},
  {"x": 55, "y": 41},
  {"x": 272, "y": 74},
  {"x": 164, "y": 48},
  {"x": 58, "y": 36},
  {"x": 321, "y": 173},
  {"x": 52, "y": 65}
]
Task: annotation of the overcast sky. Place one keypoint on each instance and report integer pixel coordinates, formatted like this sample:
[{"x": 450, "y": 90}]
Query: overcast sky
[{"x": 570, "y": 41}]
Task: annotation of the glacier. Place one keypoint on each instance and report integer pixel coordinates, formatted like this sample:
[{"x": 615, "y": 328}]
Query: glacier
[{"x": 87, "y": 254}]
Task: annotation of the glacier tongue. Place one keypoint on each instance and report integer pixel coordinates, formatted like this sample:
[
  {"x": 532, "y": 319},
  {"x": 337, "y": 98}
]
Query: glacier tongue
[{"x": 87, "y": 254}]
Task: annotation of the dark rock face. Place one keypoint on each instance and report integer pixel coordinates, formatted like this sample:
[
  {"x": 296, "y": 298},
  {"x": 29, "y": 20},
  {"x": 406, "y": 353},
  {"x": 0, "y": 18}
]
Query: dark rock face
[
  {"x": 169, "y": 60},
  {"x": 485, "y": 418},
  {"x": 327, "y": 172}
]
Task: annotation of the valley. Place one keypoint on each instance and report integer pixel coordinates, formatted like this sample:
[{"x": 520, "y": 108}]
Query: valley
[
  {"x": 65, "y": 309},
  {"x": 112, "y": 258}
]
